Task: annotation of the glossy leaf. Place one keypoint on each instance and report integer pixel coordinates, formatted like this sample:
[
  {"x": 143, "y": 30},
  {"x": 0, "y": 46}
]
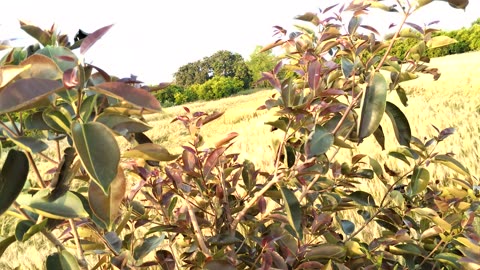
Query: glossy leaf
[
  {"x": 401, "y": 127},
  {"x": 26, "y": 92},
  {"x": 66, "y": 171},
  {"x": 319, "y": 141},
  {"x": 107, "y": 206},
  {"x": 62, "y": 56},
  {"x": 136, "y": 96},
  {"x": 418, "y": 181},
  {"x": 314, "y": 74},
  {"x": 5, "y": 243},
  {"x": 148, "y": 245},
  {"x": 406, "y": 249},
  {"x": 326, "y": 251},
  {"x": 30, "y": 144},
  {"x": 35, "y": 121},
  {"x": 93, "y": 38},
  {"x": 58, "y": 119},
  {"x": 362, "y": 198},
  {"x": 212, "y": 161},
  {"x": 26, "y": 229},
  {"x": 8, "y": 73},
  {"x": 12, "y": 178},
  {"x": 37, "y": 33},
  {"x": 293, "y": 211},
  {"x": 122, "y": 124},
  {"x": 440, "y": 41},
  {"x": 150, "y": 151},
  {"x": 41, "y": 67},
  {"x": 373, "y": 106},
  {"x": 98, "y": 151},
  {"x": 62, "y": 260},
  {"x": 348, "y": 227},
  {"x": 447, "y": 258},
  {"x": 66, "y": 206},
  {"x": 451, "y": 163}
]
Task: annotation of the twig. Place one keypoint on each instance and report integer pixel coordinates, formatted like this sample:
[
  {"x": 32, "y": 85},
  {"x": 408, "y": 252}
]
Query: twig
[
  {"x": 80, "y": 255},
  {"x": 198, "y": 230},
  {"x": 35, "y": 169}
]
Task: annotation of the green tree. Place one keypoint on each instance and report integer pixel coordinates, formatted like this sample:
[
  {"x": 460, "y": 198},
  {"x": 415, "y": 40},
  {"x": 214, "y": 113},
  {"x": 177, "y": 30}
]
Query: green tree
[
  {"x": 261, "y": 62},
  {"x": 222, "y": 63}
]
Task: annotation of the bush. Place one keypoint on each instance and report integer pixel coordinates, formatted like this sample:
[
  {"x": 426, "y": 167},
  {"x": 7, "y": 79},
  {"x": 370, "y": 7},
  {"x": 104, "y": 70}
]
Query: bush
[
  {"x": 204, "y": 209},
  {"x": 219, "y": 87}
]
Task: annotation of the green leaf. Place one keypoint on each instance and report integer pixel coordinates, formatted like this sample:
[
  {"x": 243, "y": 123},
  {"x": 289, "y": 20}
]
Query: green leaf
[
  {"x": 98, "y": 151},
  {"x": 447, "y": 258},
  {"x": 88, "y": 107},
  {"x": 348, "y": 227},
  {"x": 62, "y": 56},
  {"x": 150, "y": 151},
  {"x": 293, "y": 211},
  {"x": 451, "y": 163},
  {"x": 62, "y": 261},
  {"x": 319, "y": 141},
  {"x": 148, "y": 245},
  {"x": 135, "y": 96},
  {"x": 12, "y": 178},
  {"x": 66, "y": 206},
  {"x": 400, "y": 123},
  {"x": 373, "y": 106},
  {"x": 35, "y": 121},
  {"x": 5, "y": 243},
  {"x": 380, "y": 136},
  {"x": 37, "y": 33},
  {"x": 377, "y": 168},
  {"x": 30, "y": 144},
  {"x": 326, "y": 251},
  {"x": 440, "y": 41},
  {"x": 347, "y": 67},
  {"x": 406, "y": 249},
  {"x": 107, "y": 206},
  {"x": 26, "y": 93},
  {"x": 26, "y": 229},
  {"x": 122, "y": 124},
  {"x": 58, "y": 119},
  {"x": 399, "y": 156},
  {"x": 362, "y": 198},
  {"x": 419, "y": 181}
]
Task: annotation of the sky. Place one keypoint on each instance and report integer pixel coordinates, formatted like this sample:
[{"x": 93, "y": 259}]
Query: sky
[{"x": 152, "y": 39}]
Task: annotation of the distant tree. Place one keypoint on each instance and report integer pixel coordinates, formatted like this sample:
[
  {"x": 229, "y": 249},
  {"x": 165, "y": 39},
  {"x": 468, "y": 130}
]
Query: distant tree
[
  {"x": 261, "y": 62},
  {"x": 222, "y": 63}
]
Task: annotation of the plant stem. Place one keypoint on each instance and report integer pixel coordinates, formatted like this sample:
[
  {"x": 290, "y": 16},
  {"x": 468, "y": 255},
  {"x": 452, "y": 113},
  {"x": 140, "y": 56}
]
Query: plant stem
[
  {"x": 380, "y": 64},
  {"x": 48, "y": 158},
  {"x": 35, "y": 169},
  {"x": 13, "y": 124},
  {"x": 80, "y": 255},
  {"x": 198, "y": 230},
  {"x": 46, "y": 233}
]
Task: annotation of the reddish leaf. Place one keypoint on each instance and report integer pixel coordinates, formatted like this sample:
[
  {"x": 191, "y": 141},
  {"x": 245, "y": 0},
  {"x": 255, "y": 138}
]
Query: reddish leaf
[
  {"x": 212, "y": 160},
  {"x": 226, "y": 140},
  {"x": 136, "y": 96},
  {"x": 277, "y": 43},
  {"x": 41, "y": 67},
  {"x": 93, "y": 38},
  {"x": 70, "y": 78},
  {"x": 25, "y": 92},
  {"x": 314, "y": 74},
  {"x": 212, "y": 117}
]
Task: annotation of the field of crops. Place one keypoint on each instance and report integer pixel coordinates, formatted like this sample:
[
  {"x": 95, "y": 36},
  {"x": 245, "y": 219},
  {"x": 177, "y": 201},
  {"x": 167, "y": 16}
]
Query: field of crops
[{"x": 451, "y": 101}]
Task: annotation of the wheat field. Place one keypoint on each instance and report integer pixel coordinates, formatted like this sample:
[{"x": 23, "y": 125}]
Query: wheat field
[{"x": 451, "y": 101}]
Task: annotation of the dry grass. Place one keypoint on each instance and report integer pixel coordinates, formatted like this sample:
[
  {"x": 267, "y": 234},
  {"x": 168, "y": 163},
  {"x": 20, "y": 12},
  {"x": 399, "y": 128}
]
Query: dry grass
[{"x": 452, "y": 101}]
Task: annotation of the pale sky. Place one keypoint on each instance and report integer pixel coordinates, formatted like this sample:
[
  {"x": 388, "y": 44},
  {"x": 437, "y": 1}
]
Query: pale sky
[{"x": 152, "y": 39}]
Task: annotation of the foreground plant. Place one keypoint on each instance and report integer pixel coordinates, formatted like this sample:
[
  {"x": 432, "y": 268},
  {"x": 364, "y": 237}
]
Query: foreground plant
[{"x": 204, "y": 208}]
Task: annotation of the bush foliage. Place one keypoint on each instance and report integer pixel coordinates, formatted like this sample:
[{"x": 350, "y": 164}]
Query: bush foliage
[{"x": 203, "y": 208}]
